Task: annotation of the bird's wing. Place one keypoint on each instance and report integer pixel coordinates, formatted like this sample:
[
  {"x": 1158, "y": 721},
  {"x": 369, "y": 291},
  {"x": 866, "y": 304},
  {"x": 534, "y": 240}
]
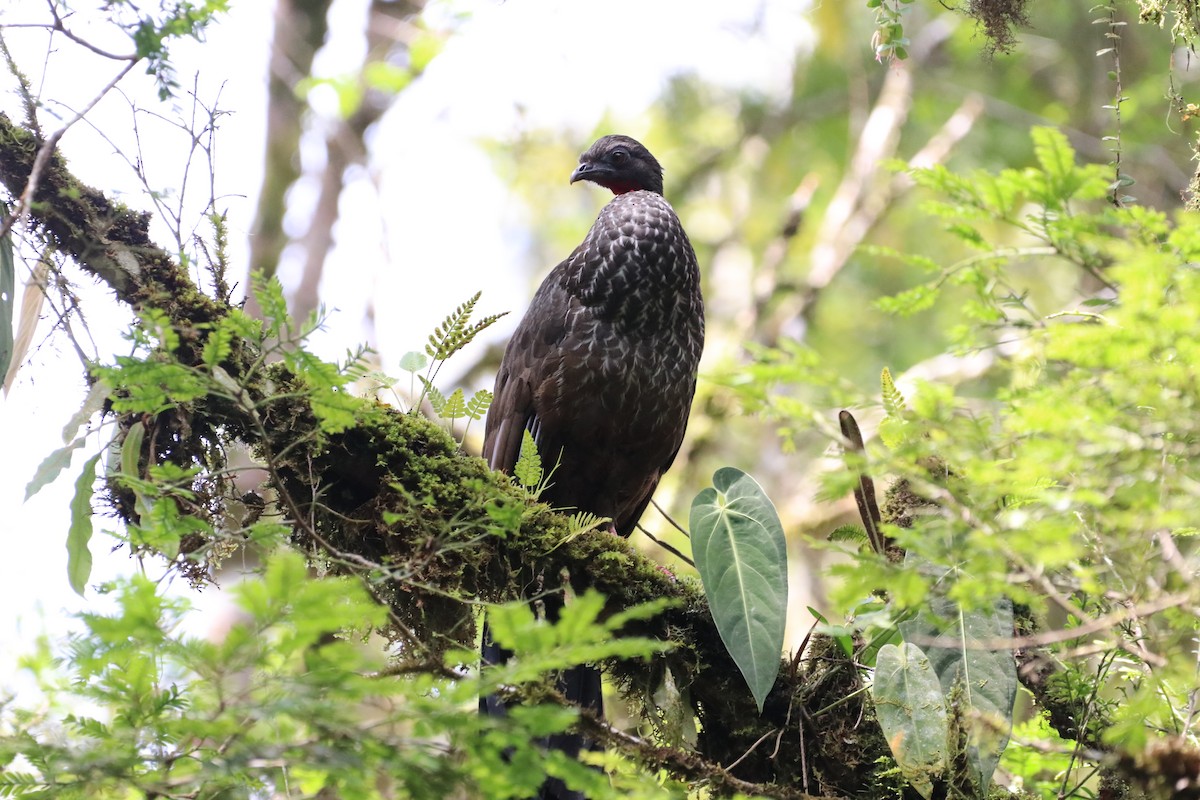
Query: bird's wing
[
  {"x": 626, "y": 522},
  {"x": 531, "y": 357}
]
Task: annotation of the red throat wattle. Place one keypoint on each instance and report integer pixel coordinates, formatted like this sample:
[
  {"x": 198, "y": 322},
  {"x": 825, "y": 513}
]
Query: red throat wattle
[{"x": 621, "y": 188}]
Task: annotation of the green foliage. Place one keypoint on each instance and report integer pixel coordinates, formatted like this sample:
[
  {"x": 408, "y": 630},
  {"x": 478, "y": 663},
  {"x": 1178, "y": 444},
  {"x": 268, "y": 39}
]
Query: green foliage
[
  {"x": 741, "y": 555},
  {"x": 8, "y": 298},
  {"x": 1046, "y": 204},
  {"x": 457, "y": 405},
  {"x": 889, "y": 42},
  {"x": 583, "y": 521},
  {"x": 153, "y": 34},
  {"x": 848, "y": 533},
  {"x": 581, "y": 635},
  {"x": 292, "y": 699},
  {"x": 1042, "y": 771},
  {"x": 333, "y": 404},
  {"x": 242, "y": 716},
  {"x": 1068, "y": 481},
  {"x": 79, "y": 557},
  {"x": 1065, "y": 479},
  {"x": 153, "y": 380},
  {"x": 456, "y": 332},
  {"x": 894, "y": 429},
  {"x": 52, "y": 466}
]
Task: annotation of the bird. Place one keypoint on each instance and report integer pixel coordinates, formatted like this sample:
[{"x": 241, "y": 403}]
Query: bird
[{"x": 601, "y": 371}]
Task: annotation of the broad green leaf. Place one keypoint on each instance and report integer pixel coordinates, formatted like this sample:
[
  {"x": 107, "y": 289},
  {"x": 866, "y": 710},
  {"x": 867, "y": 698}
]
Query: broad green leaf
[
  {"x": 79, "y": 557},
  {"x": 912, "y": 713},
  {"x": 741, "y": 555},
  {"x": 984, "y": 682},
  {"x": 51, "y": 466},
  {"x": 131, "y": 450},
  {"x": 8, "y": 299}
]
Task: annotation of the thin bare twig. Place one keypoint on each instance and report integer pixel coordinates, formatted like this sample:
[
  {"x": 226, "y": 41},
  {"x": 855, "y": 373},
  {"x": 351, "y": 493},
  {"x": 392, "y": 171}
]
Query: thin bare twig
[
  {"x": 665, "y": 546},
  {"x": 25, "y": 201},
  {"x": 1112, "y": 620},
  {"x": 61, "y": 27}
]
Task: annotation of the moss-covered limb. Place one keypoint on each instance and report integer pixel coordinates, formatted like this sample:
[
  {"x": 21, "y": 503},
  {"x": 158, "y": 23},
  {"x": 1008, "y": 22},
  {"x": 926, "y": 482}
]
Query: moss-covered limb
[
  {"x": 105, "y": 238},
  {"x": 112, "y": 243},
  {"x": 444, "y": 531}
]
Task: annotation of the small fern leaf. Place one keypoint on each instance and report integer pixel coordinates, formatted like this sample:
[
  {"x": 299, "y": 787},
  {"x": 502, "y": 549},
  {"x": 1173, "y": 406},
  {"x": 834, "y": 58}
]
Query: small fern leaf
[
  {"x": 436, "y": 399},
  {"x": 453, "y": 334},
  {"x": 584, "y": 521},
  {"x": 848, "y": 533},
  {"x": 457, "y": 331},
  {"x": 528, "y": 469},
  {"x": 893, "y": 401},
  {"x": 894, "y": 428},
  {"x": 455, "y": 406},
  {"x": 479, "y": 403}
]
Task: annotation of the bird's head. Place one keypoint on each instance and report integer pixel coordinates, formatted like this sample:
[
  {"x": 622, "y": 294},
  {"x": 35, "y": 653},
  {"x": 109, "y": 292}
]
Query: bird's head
[{"x": 620, "y": 164}]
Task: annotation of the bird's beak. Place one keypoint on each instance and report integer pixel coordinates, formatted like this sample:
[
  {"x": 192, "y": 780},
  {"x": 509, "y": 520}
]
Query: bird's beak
[
  {"x": 590, "y": 171},
  {"x": 582, "y": 172}
]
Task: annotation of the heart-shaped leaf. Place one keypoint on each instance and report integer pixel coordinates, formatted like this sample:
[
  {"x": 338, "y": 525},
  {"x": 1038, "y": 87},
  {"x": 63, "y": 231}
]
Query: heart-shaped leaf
[{"x": 740, "y": 552}]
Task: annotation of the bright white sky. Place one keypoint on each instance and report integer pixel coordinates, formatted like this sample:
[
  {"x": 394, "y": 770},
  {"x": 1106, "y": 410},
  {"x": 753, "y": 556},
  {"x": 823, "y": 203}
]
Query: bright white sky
[{"x": 440, "y": 227}]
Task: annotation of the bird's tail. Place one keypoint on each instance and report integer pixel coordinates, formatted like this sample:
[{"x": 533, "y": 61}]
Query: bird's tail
[{"x": 580, "y": 685}]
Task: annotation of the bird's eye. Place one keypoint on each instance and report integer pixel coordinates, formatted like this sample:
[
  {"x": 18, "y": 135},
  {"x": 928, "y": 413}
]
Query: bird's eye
[{"x": 619, "y": 156}]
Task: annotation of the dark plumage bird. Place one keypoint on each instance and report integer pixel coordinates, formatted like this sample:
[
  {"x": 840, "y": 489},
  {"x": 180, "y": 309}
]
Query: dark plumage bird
[{"x": 602, "y": 369}]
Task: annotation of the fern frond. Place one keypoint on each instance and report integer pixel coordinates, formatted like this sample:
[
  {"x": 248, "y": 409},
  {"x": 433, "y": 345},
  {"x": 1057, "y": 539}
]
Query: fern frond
[
  {"x": 457, "y": 331},
  {"x": 451, "y": 329},
  {"x": 436, "y": 398},
  {"x": 893, "y": 401},
  {"x": 528, "y": 469},
  {"x": 479, "y": 404},
  {"x": 848, "y": 533},
  {"x": 455, "y": 406},
  {"x": 584, "y": 521},
  {"x": 894, "y": 428}
]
